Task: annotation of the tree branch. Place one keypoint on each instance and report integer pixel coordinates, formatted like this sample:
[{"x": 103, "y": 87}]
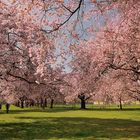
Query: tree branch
[{"x": 63, "y": 23}]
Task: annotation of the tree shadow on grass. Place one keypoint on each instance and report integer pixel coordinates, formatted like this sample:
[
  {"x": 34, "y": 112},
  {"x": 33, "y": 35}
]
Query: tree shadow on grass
[{"x": 70, "y": 128}]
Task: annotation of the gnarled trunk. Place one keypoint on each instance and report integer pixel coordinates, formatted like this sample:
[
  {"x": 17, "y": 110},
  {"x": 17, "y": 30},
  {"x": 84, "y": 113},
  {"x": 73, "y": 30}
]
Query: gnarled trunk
[
  {"x": 83, "y": 100},
  {"x": 83, "y": 104}
]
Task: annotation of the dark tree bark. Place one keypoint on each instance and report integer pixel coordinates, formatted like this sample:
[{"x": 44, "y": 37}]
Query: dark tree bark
[
  {"x": 83, "y": 104},
  {"x": 45, "y": 102},
  {"x": 7, "y": 108},
  {"x": 65, "y": 21},
  {"x": 64, "y": 102},
  {"x": 33, "y": 103},
  {"x": 22, "y": 104},
  {"x": 52, "y": 101},
  {"x": 120, "y": 101},
  {"x": 0, "y": 106},
  {"x": 18, "y": 104},
  {"x": 42, "y": 103},
  {"x": 83, "y": 101}
]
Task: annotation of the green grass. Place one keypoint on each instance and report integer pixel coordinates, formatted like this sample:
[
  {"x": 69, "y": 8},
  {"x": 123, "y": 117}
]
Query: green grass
[{"x": 70, "y": 124}]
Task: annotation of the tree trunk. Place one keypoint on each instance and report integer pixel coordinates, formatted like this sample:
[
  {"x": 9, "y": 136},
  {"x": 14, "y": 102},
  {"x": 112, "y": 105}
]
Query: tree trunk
[
  {"x": 45, "y": 102},
  {"x": 83, "y": 100},
  {"x": 83, "y": 104},
  {"x": 41, "y": 103},
  {"x": 120, "y": 104},
  {"x": 33, "y": 103},
  {"x": 7, "y": 108},
  {"x": 0, "y": 106},
  {"x": 18, "y": 104},
  {"x": 22, "y": 104},
  {"x": 52, "y": 101}
]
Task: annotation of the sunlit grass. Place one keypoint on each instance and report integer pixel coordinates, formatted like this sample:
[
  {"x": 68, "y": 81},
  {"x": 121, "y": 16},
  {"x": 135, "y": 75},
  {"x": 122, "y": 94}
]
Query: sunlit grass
[{"x": 69, "y": 123}]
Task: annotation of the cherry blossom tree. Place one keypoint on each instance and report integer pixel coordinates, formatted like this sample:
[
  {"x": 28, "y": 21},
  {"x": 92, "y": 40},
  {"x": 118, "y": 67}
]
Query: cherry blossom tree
[
  {"x": 115, "y": 48},
  {"x": 100, "y": 37},
  {"x": 124, "y": 56}
]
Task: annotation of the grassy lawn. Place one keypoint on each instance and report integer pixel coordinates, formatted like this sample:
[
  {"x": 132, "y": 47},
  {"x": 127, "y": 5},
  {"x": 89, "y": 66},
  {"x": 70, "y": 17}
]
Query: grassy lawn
[{"x": 70, "y": 124}]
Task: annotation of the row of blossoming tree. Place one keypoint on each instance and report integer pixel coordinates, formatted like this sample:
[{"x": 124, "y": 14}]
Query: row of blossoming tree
[{"x": 61, "y": 51}]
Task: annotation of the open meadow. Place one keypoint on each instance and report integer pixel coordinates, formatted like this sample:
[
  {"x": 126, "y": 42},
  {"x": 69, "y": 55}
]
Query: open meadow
[{"x": 66, "y": 123}]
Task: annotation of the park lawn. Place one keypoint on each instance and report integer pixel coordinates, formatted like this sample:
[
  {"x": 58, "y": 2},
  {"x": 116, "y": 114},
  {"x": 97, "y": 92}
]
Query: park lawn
[{"x": 70, "y": 124}]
